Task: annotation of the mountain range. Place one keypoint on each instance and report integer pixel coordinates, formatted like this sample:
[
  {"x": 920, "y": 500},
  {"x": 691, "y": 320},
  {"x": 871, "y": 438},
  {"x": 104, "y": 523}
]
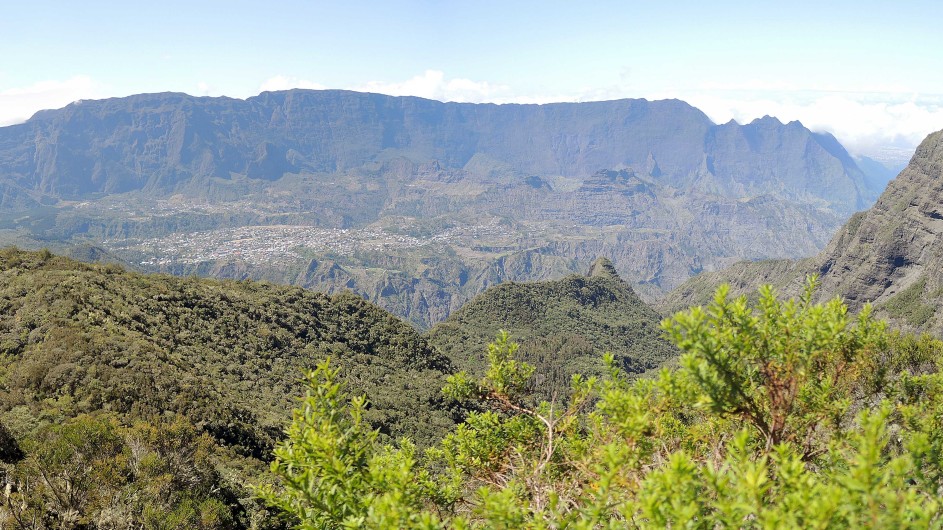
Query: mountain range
[
  {"x": 165, "y": 142},
  {"x": 419, "y": 205}
]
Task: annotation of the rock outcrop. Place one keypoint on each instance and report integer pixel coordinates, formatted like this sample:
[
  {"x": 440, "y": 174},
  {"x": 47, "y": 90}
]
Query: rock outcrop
[{"x": 890, "y": 256}]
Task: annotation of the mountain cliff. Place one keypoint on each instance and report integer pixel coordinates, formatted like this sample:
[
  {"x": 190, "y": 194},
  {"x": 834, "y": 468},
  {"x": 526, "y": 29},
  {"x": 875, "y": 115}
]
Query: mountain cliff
[
  {"x": 162, "y": 142},
  {"x": 890, "y": 255},
  {"x": 417, "y": 204}
]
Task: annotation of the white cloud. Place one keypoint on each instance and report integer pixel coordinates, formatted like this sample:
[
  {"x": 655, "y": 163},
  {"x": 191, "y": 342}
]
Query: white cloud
[
  {"x": 432, "y": 84},
  {"x": 18, "y": 104},
  {"x": 865, "y": 120},
  {"x": 862, "y": 121},
  {"x": 204, "y": 88},
  {"x": 281, "y": 82}
]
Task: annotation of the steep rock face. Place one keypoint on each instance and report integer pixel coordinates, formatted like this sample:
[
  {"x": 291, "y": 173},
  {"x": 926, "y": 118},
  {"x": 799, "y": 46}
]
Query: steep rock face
[
  {"x": 890, "y": 255},
  {"x": 161, "y": 142},
  {"x": 665, "y": 237},
  {"x": 767, "y": 157},
  {"x": 898, "y": 243}
]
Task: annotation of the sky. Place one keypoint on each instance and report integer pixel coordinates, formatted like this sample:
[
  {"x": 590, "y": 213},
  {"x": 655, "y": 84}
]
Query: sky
[{"x": 869, "y": 72}]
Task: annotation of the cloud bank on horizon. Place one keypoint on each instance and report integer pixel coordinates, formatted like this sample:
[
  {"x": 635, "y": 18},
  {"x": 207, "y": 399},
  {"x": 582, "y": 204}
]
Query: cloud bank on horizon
[
  {"x": 18, "y": 104},
  {"x": 868, "y": 121}
]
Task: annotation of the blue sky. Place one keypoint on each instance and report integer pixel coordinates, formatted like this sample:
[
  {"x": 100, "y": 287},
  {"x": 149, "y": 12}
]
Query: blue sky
[{"x": 870, "y": 72}]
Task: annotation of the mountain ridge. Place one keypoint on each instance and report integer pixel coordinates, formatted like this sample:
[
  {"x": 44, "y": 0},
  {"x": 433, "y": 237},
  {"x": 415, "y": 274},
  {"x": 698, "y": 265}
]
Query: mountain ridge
[
  {"x": 889, "y": 255},
  {"x": 279, "y": 132}
]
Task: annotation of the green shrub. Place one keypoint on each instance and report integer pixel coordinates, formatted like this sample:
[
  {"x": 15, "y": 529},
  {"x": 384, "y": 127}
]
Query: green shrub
[{"x": 783, "y": 415}]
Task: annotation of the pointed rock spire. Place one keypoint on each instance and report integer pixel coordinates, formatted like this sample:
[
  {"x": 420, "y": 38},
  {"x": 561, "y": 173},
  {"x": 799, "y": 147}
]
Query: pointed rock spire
[{"x": 602, "y": 267}]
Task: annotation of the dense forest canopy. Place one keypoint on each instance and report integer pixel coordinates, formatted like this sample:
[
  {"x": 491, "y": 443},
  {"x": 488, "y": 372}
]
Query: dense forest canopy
[
  {"x": 562, "y": 327},
  {"x": 93, "y": 351}
]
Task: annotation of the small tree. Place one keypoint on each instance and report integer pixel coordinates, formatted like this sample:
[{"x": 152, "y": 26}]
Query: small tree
[
  {"x": 788, "y": 368},
  {"x": 333, "y": 472}
]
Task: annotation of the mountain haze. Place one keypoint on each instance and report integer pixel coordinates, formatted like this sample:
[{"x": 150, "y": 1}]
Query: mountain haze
[
  {"x": 417, "y": 204},
  {"x": 161, "y": 142}
]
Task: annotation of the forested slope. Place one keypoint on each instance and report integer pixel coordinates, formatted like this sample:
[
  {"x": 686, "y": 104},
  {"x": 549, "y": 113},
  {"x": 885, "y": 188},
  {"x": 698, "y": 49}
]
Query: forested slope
[
  {"x": 95, "y": 360},
  {"x": 563, "y": 327}
]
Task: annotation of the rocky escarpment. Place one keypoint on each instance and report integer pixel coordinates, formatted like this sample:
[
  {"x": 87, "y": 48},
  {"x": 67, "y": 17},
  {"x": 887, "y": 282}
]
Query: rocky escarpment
[
  {"x": 890, "y": 255},
  {"x": 666, "y": 236},
  {"x": 165, "y": 142}
]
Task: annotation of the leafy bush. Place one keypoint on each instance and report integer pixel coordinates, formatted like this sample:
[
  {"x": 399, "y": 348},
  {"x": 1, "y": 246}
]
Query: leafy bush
[
  {"x": 92, "y": 472},
  {"x": 783, "y": 415}
]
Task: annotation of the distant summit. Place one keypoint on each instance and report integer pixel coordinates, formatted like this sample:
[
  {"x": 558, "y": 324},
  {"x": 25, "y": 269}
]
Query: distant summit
[
  {"x": 603, "y": 268},
  {"x": 563, "y": 326}
]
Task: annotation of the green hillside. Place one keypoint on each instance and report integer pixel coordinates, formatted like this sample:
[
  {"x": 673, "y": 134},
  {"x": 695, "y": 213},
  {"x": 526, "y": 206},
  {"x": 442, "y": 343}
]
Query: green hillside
[
  {"x": 92, "y": 352},
  {"x": 563, "y": 327},
  {"x": 81, "y": 338}
]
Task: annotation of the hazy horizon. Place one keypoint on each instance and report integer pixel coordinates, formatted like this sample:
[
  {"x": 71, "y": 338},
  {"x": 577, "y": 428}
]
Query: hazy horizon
[{"x": 867, "y": 72}]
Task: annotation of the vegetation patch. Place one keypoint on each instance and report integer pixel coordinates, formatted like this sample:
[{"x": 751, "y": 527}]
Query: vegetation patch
[
  {"x": 782, "y": 414},
  {"x": 563, "y": 328},
  {"x": 89, "y": 348},
  {"x": 908, "y": 305}
]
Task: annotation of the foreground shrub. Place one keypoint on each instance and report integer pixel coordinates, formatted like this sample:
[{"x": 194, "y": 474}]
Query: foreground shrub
[{"x": 788, "y": 414}]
